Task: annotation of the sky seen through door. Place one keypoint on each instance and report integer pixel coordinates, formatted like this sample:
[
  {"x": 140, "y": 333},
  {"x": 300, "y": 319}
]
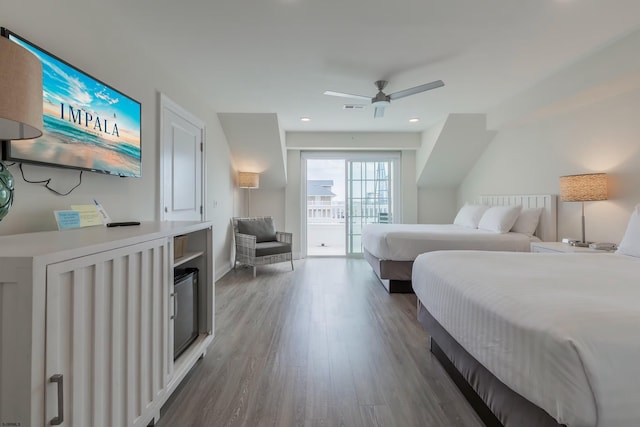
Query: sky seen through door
[{"x": 333, "y": 169}]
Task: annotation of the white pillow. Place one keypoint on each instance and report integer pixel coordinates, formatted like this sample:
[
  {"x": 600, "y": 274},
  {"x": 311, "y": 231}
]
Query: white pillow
[
  {"x": 630, "y": 244},
  {"x": 499, "y": 218},
  {"x": 527, "y": 221},
  {"x": 469, "y": 215}
]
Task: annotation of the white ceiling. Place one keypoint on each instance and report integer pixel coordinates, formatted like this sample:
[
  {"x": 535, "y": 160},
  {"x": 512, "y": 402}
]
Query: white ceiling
[{"x": 278, "y": 56}]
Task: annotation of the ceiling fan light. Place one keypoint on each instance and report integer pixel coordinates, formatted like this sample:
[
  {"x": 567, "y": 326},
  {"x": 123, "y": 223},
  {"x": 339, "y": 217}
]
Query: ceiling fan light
[
  {"x": 380, "y": 103},
  {"x": 380, "y": 100}
]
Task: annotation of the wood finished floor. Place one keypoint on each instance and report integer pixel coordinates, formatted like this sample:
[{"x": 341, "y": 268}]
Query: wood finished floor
[{"x": 324, "y": 345}]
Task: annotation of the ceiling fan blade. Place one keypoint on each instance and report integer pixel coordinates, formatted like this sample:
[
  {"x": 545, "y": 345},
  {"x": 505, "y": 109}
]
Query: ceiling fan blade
[
  {"x": 378, "y": 113},
  {"x": 417, "y": 89},
  {"x": 346, "y": 95}
]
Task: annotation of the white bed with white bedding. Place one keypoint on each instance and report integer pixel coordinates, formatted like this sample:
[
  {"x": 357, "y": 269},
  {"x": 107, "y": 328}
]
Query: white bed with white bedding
[
  {"x": 404, "y": 242},
  {"x": 560, "y": 330},
  {"x": 391, "y": 248}
]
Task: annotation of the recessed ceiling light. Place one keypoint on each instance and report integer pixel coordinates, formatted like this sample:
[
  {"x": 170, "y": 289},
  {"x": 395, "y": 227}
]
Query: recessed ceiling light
[
  {"x": 305, "y": 119},
  {"x": 414, "y": 120}
]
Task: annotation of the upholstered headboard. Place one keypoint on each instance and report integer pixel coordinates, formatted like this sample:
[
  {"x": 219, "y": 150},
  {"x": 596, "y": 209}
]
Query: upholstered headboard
[{"x": 547, "y": 230}]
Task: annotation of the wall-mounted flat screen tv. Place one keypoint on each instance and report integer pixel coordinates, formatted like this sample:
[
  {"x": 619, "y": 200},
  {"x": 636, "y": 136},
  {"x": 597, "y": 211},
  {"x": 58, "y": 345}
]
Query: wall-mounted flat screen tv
[{"x": 88, "y": 125}]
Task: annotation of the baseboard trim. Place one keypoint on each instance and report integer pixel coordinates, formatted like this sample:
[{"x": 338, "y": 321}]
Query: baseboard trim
[{"x": 220, "y": 273}]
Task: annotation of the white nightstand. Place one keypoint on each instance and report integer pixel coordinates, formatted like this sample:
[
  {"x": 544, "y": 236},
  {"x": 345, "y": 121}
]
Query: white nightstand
[{"x": 564, "y": 248}]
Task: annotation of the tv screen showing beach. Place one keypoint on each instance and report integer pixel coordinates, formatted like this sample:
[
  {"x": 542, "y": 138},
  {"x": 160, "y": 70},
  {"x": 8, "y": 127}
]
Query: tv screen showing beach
[{"x": 87, "y": 124}]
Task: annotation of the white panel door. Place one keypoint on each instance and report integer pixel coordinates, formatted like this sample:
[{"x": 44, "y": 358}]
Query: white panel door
[{"x": 182, "y": 164}]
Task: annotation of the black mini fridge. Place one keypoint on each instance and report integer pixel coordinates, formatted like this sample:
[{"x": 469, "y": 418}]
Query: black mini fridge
[{"x": 185, "y": 309}]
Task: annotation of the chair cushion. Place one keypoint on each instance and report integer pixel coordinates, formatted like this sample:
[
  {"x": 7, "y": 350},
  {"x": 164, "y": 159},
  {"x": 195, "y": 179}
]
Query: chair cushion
[
  {"x": 262, "y": 228},
  {"x": 272, "y": 248}
]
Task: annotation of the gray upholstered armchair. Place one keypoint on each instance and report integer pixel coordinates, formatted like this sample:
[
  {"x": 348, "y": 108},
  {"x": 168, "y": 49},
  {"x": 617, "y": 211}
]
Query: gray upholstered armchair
[{"x": 258, "y": 242}]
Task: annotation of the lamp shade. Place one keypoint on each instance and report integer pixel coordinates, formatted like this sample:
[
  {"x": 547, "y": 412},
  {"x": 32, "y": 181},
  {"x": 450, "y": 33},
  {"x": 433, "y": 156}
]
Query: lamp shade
[
  {"x": 583, "y": 188},
  {"x": 20, "y": 92},
  {"x": 20, "y": 105},
  {"x": 248, "y": 180}
]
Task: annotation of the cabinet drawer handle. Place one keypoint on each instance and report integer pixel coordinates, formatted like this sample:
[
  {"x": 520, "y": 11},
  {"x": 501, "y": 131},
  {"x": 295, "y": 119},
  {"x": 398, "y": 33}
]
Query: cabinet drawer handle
[{"x": 57, "y": 378}]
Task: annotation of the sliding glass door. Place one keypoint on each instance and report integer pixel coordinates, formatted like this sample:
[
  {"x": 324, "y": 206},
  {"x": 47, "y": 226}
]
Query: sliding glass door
[
  {"x": 344, "y": 192},
  {"x": 370, "y": 197},
  {"x": 325, "y": 206}
]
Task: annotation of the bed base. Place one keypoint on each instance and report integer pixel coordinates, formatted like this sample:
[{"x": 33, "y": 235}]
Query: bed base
[
  {"x": 478, "y": 405},
  {"x": 397, "y": 286},
  {"x": 395, "y": 276},
  {"x": 495, "y": 403}
]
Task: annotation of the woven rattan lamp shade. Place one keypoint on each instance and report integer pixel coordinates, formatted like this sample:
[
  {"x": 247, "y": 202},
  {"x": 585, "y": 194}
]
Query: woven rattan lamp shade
[
  {"x": 583, "y": 188},
  {"x": 248, "y": 180}
]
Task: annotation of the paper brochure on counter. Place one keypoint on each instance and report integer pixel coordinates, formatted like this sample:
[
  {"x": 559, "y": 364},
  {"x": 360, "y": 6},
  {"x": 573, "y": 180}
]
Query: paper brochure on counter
[{"x": 82, "y": 216}]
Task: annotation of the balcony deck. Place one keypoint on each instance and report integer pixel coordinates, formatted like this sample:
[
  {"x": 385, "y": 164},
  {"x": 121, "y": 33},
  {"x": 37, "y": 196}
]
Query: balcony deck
[
  {"x": 326, "y": 239},
  {"x": 326, "y": 229}
]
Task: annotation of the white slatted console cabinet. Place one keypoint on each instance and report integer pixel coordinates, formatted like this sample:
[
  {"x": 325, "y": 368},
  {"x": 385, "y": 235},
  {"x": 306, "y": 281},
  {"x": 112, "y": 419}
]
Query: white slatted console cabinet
[{"x": 86, "y": 329}]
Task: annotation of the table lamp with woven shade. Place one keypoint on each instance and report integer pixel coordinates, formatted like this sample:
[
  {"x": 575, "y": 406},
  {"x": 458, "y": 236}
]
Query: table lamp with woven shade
[
  {"x": 583, "y": 188},
  {"x": 20, "y": 105}
]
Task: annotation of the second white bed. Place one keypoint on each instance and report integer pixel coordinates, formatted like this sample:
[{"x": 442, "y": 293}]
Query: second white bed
[{"x": 560, "y": 330}]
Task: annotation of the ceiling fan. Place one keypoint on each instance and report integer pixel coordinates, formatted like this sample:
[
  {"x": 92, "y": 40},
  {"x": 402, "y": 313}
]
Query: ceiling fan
[{"x": 381, "y": 100}]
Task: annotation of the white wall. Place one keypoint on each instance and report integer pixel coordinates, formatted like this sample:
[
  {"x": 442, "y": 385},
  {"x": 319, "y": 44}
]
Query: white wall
[
  {"x": 221, "y": 189},
  {"x": 409, "y": 196},
  {"x": 293, "y": 199},
  {"x": 269, "y": 202},
  {"x": 582, "y": 119},
  {"x": 353, "y": 140},
  {"x": 428, "y": 140},
  {"x": 93, "y": 46},
  {"x": 436, "y": 205}
]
